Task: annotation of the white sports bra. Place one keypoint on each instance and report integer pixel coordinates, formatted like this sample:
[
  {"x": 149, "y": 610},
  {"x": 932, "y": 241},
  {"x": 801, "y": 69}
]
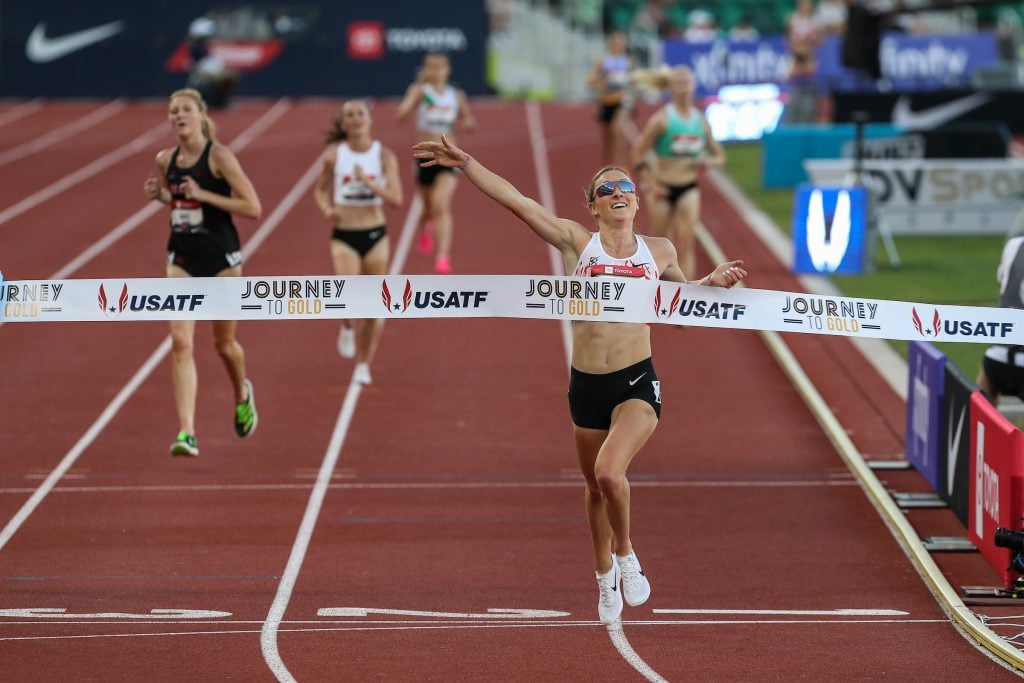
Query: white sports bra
[{"x": 595, "y": 262}]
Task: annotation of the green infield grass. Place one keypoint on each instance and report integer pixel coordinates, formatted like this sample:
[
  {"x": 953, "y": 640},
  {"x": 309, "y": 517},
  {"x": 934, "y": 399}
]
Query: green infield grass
[{"x": 938, "y": 270}]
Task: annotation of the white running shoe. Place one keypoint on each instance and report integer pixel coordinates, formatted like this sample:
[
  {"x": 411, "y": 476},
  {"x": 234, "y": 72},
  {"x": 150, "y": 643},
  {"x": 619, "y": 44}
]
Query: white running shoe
[
  {"x": 362, "y": 374},
  {"x": 635, "y": 586},
  {"x": 609, "y": 602},
  {"x": 347, "y": 342}
]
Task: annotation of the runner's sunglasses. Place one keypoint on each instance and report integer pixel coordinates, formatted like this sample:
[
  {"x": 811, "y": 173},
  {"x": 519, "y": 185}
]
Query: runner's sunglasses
[{"x": 607, "y": 188}]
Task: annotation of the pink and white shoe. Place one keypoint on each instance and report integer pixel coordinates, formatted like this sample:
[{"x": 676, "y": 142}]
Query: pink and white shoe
[{"x": 443, "y": 265}]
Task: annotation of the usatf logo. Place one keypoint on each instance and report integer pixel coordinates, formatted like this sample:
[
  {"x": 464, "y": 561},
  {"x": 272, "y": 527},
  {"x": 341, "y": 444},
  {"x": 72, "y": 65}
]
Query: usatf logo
[
  {"x": 936, "y": 324},
  {"x": 665, "y": 312},
  {"x": 108, "y": 307},
  {"x": 146, "y": 302},
  {"x": 430, "y": 298},
  {"x": 394, "y": 306}
]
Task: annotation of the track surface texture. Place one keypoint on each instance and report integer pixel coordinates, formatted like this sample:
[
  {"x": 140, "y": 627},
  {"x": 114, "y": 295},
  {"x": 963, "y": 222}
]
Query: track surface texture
[{"x": 443, "y": 500}]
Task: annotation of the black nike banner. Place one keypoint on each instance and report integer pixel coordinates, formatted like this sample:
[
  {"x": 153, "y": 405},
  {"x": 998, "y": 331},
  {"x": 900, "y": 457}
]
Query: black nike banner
[
  {"x": 955, "y": 453},
  {"x": 56, "y": 48},
  {"x": 926, "y": 111}
]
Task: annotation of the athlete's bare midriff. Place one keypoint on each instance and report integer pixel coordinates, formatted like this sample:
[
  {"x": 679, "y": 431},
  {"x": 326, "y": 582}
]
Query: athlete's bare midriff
[
  {"x": 356, "y": 217},
  {"x": 676, "y": 170},
  {"x": 602, "y": 347}
]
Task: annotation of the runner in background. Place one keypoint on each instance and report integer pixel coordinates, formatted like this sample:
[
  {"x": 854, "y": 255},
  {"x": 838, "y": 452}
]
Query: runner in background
[
  {"x": 438, "y": 106},
  {"x": 681, "y": 139},
  {"x": 359, "y": 175},
  {"x": 204, "y": 185},
  {"x": 609, "y": 78}
]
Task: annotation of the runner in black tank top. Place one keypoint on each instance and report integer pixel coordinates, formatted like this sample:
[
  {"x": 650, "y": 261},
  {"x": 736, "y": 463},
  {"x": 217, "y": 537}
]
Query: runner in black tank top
[
  {"x": 203, "y": 195},
  {"x": 203, "y": 240}
]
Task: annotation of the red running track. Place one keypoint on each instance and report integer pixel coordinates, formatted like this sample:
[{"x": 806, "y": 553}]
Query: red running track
[{"x": 453, "y": 491}]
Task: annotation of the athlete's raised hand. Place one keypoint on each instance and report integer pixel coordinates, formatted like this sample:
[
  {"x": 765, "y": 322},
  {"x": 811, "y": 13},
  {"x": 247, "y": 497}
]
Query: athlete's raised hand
[
  {"x": 442, "y": 153},
  {"x": 726, "y": 274}
]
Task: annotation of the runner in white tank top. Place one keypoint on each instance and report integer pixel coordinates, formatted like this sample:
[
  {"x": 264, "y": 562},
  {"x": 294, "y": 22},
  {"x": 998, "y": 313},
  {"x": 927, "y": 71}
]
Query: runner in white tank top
[
  {"x": 613, "y": 388},
  {"x": 359, "y": 176},
  {"x": 438, "y": 106},
  {"x": 348, "y": 189}
]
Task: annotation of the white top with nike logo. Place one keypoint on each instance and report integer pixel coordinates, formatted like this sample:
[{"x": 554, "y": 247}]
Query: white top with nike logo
[{"x": 595, "y": 262}]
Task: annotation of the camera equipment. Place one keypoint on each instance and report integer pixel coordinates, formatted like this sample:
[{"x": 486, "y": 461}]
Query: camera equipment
[
  {"x": 1006, "y": 538},
  {"x": 1014, "y": 540}
]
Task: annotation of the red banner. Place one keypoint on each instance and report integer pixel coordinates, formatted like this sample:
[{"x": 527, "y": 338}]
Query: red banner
[{"x": 997, "y": 469}]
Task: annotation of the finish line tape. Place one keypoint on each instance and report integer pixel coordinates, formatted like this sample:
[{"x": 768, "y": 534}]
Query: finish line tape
[{"x": 501, "y": 296}]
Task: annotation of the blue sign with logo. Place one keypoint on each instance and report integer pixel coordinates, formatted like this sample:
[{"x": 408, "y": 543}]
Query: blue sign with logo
[
  {"x": 909, "y": 63},
  {"x": 926, "y": 383},
  {"x": 829, "y": 229}
]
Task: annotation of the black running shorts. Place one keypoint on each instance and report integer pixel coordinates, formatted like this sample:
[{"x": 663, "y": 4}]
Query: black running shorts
[{"x": 592, "y": 398}]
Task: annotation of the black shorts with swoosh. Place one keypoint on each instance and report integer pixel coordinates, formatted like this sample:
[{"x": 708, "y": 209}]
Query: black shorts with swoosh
[
  {"x": 592, "y": 398},
  {"x": 361, "y": 240}
]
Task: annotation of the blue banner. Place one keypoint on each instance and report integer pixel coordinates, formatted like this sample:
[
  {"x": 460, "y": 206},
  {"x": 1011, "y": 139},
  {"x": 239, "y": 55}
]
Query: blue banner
[
  {"x": 926, "y": 381},
  {"x": 909, "y": 63},
  {"x": 829, "y": 229}
]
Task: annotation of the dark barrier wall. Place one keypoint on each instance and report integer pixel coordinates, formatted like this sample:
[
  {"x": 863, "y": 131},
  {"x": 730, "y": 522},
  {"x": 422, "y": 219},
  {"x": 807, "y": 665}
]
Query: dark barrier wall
[
  {"x": 932, "y": 110},
  {"x": 955, "y": 456},
  {"x": 68, "y": 48}
]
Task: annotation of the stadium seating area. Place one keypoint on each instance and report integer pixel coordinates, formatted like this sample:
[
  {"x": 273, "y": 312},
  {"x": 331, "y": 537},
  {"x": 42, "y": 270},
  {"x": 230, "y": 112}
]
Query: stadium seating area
[{"x": 767, "y": 16}]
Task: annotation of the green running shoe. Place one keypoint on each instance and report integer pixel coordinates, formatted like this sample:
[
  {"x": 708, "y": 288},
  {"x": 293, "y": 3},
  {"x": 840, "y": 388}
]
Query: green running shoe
[
  {"x": 185, "y": 444},
  {"x": 245, "y": 414}
]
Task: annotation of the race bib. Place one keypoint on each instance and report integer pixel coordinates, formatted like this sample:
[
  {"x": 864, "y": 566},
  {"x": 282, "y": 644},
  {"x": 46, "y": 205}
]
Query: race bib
[
  {"x": 687, "y": 145},
  {"x": 186, "y": 215}
]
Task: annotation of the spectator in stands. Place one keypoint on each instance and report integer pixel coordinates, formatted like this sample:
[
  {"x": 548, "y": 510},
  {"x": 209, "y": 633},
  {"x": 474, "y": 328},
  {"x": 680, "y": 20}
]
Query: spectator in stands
[
  {"x": 656, "y": 16},
  {"x": 1002, "y": 367},
  {"x": 609, "y": 78},
  {"x": 743, "y": 31},
  {"x": 803, "y": 36},
  {"x": 701, "y": 27},
  {"x": 831, "y": 16}
]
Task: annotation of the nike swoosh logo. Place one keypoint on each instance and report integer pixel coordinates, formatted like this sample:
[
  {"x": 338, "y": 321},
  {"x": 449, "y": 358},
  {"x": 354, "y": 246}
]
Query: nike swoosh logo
[
  {"x": 953, "y": 449},
  {"x": 933, "y": 117},
  {"x": 632, "y": 382},
  {"x": 41, "y": 49}
]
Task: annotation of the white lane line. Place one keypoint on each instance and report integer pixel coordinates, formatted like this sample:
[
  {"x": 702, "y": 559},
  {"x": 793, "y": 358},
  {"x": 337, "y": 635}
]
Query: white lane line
[
  {"x": 478, "y": 626},
  {"x": 86, "y": 439},
  {"x": 300, "y": 188},
  {"x": 541, "y": 164},
  {"x": 88, "y": 171},
  {"x": 446, "y": 485},
  {"x": 271, "y": 626},
  {"x": 140, "y": 216},
  {"x": 791, "y": 612},
  {"x": 541, "y": 167},
  {"x": 62, "y": 133},
  {"x": 22, "y": 110}
]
